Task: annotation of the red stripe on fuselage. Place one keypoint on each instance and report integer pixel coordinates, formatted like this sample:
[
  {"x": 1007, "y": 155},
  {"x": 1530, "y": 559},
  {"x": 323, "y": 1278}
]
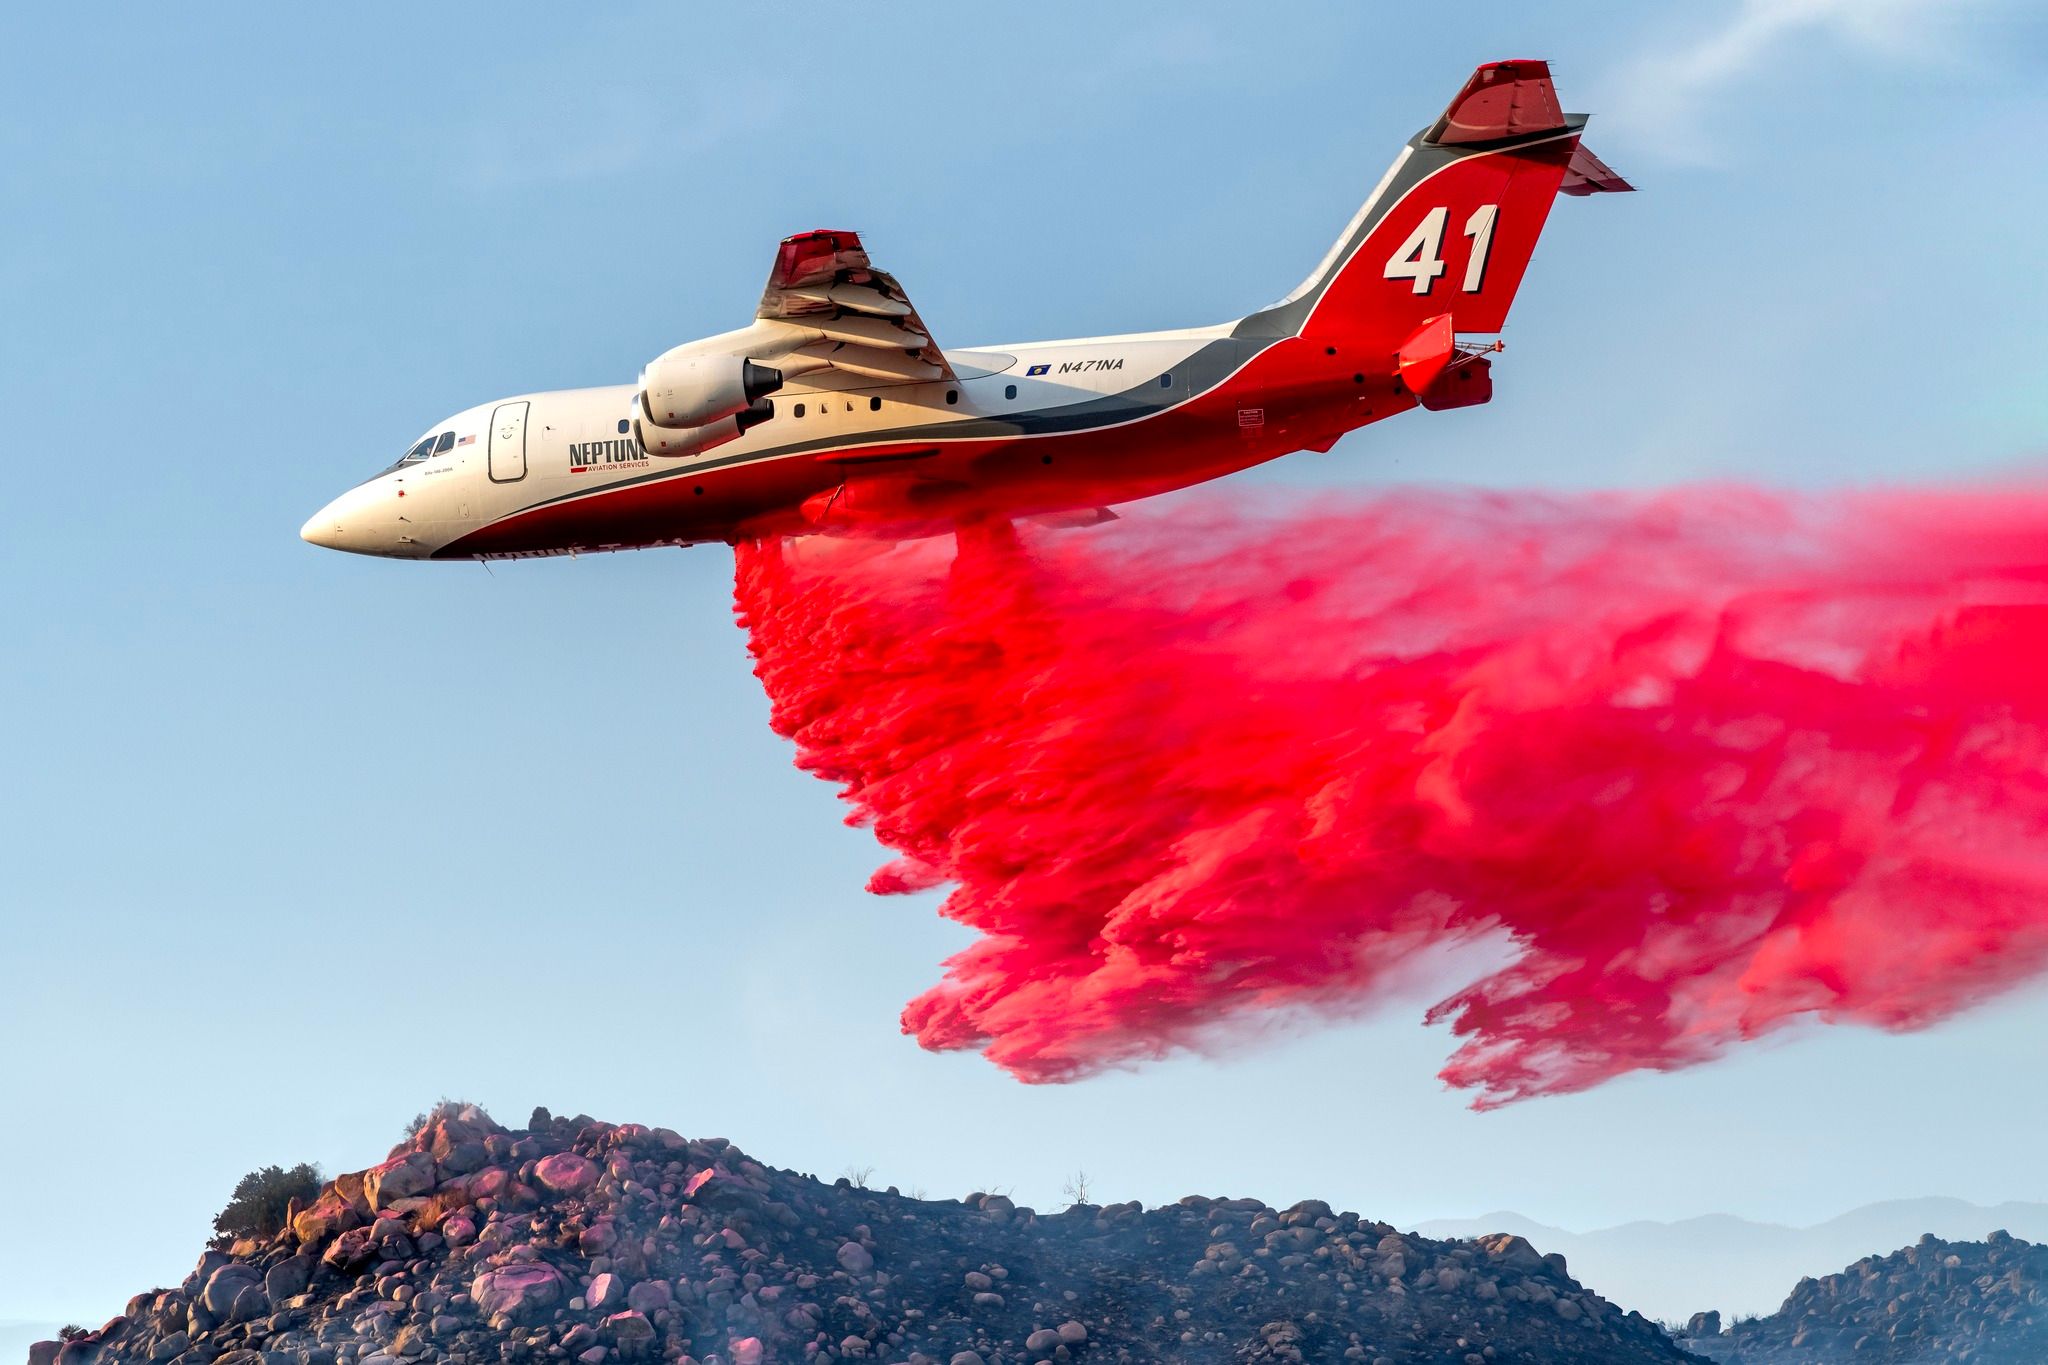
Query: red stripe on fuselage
[{"x": 1308, "y": 396}]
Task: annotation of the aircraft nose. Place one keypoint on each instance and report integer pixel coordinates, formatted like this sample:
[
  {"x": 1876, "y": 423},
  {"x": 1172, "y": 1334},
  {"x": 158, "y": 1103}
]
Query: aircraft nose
[{"x": 326, "y": 528}]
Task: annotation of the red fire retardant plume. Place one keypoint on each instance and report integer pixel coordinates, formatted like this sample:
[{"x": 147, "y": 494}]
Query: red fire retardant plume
[{"x": 1702, "y": 765}]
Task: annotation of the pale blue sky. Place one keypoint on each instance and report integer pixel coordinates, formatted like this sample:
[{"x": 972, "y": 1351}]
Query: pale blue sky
[{"x": 295, "y": 843}]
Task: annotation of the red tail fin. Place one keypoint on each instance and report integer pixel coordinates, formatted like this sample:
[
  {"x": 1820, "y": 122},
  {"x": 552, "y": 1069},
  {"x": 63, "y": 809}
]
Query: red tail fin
[{"x": 1451, "y": 228}]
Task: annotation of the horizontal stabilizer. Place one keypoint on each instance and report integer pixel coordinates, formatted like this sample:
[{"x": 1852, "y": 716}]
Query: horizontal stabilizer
[
  {"x": 1588, "y": 174},
  {"x": 1501, "y": 100}
]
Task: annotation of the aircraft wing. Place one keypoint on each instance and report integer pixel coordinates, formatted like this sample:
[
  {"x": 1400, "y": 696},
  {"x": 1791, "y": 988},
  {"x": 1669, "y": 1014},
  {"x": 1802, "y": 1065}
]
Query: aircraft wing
[{"x": 866, "y": 325}]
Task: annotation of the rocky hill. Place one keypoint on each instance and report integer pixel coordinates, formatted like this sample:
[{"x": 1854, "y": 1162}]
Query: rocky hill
[
  {"x": 1742, "y": 1266},
  {"x": 1981, "y": 1302},
  {"x": 597, "y": 1243}
]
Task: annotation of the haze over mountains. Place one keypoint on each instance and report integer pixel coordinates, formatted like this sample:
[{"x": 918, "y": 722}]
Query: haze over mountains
[{"x": 1672, "y": 1270}]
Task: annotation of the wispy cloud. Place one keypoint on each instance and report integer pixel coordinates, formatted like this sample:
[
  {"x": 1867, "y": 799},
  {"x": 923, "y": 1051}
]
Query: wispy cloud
[{"x": 1660, "y": 97}]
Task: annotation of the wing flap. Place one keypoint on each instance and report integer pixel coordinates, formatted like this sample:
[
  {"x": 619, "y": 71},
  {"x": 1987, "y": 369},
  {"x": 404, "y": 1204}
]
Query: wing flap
[
  {"x": 879, "y": 333},
  {"x": 854, "y": 298}
]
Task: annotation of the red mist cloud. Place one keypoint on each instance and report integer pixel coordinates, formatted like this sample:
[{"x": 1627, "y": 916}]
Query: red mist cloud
[{"x": 1707, "y": 762}]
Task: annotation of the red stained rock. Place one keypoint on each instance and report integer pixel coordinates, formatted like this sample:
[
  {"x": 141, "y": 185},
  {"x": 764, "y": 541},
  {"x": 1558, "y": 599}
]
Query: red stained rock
[
  {"x": 330, "y": 1213},
  {"x": 565, "y": 1173},
  {"x": 404, "y": 1177},
  {"x": 607, "y": 1293},
  {"x": 352, "y": 1250},
  {"x": 489, "y": 1183},
  {"x": 523, "y": 1289}
]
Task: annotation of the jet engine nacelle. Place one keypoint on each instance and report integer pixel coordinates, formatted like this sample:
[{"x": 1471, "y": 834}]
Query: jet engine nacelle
[
  {"x": 672, "y": 443},
  {"x": 698, "y": 390}
]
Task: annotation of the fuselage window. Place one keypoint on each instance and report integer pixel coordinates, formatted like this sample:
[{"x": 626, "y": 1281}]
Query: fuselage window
[
  {"x": 1166, "y": 380},
  {"x": 1009, "y": 390},
  {"x": 624, "y": 426},
  {"x": 952, "y": 395},
  {"x": 874, "y": 405},
  {"x": 798, "y": 410},
  {"x": 445, "y": 444}
]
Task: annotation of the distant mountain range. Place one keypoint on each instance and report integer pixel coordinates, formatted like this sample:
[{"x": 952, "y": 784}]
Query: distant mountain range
[{"x": 1672, "y": 1270}]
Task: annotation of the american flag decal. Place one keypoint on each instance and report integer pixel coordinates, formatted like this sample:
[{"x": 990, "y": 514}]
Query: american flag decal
[{"x": 467, "y": 439}]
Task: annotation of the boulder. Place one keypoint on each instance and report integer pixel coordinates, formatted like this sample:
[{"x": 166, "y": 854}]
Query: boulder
[
  {"x": 523, "y": 1289},
  {"x": 492, "y": 1182},
  {"x": 288, "y": 1278},
  {"x": 855, "y": 1259},
  {"x": 351, "y": 1251},
  {"x": 222, "y": 1287},
  {"x": 252, "y": 1303},
  {"x": 631, "y": 1333},
  {"x": 459, "y": 1229},
  {"x": 1511, "y": 1251},
  {"x": 209, "y": 1261},
  {"x": 404, "y": 1177},
  {"x": 650, "y": 1296},
  {"x": 45, "y": 1352},
  {"x": 462, "y": 1158},
  {"x": 349, "y": 1185},
  {"x": 1072, "y": 1333},
  {"x": 450, "y": 1135},
  {"x": 328, "y": 1215},
  {"x": 388, "y": 1235},
  {"x": 607, "y": 1293},
  {"x": 565, "y": 1173},
  {"x": 747, "y": 1351},
  {"x": 1043, "y": 1342}
]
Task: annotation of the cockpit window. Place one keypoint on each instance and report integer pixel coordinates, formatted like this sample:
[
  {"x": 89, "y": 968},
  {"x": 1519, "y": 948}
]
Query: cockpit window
[
  {"x": 420, "y": 451},
  {"x": 445, "y": 444}
]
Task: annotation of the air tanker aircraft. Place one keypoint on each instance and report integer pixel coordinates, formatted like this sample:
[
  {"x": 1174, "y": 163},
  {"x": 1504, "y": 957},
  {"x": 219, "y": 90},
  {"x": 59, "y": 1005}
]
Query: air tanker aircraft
[{"x": 836, "y": 411}]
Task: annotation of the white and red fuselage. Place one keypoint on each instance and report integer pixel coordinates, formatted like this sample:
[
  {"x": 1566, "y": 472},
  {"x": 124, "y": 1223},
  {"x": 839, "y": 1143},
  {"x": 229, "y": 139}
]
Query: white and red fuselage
[{"x": 835, "y": 412}]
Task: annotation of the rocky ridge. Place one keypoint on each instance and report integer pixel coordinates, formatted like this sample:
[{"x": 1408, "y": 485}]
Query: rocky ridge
[
  {"x": 1985, "y": 1303},
  {"x": 597, "y": 1243}
]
